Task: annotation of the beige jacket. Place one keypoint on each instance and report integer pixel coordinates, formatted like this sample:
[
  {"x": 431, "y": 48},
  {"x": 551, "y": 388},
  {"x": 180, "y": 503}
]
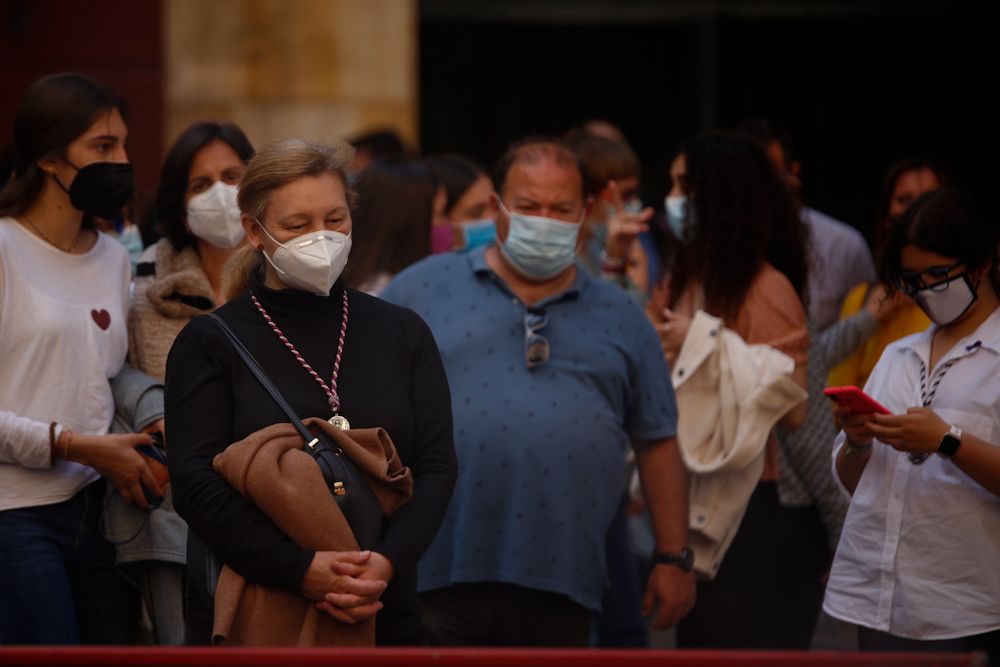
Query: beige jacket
[
  {"x": 162, "y": 304},
  {"x": 729, "y": 397}
]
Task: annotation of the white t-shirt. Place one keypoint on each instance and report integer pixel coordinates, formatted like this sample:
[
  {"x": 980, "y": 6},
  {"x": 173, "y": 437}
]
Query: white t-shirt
[
  {"x": 62, "y": 336},
  {"x": 920, "y": 551}
]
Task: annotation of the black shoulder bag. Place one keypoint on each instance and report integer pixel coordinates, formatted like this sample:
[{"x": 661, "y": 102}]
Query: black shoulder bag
[{"x": 346, "y": 482}]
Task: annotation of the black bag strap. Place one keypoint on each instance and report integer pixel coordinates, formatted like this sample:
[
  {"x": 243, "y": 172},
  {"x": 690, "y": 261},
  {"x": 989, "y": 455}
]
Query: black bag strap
[{"x": 265, "y": 381}]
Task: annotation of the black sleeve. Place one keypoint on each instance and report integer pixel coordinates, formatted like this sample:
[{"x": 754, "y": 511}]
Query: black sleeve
[
  {"x": 433, "y": 462},
  {"x": 198, "y": 416}
]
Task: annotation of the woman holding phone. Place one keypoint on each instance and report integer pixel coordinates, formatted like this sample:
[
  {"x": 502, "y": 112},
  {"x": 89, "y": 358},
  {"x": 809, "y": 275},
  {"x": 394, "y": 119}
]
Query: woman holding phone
[
  {"x": 63, "y": 298},
  {"x": 916, "y": 564}
]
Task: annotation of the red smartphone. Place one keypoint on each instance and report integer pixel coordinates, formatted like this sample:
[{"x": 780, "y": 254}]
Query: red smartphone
[{"x": 855, "y": 400}]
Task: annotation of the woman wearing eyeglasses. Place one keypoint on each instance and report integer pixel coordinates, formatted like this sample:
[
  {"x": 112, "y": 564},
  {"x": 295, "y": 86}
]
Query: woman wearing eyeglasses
[{"x": 916, "y": 567}]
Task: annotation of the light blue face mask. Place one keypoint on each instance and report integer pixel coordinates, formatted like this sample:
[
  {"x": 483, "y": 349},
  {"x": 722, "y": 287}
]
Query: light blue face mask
[
  {"x": 478, "y": 233},
  {"x": 677, "y": 210},
  {"x": 539, "y": 248},
  {"x": 132, "y": 240}
]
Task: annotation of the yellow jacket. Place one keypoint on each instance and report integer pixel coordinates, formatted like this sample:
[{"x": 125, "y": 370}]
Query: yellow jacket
[{"x": 854, "y": 371}]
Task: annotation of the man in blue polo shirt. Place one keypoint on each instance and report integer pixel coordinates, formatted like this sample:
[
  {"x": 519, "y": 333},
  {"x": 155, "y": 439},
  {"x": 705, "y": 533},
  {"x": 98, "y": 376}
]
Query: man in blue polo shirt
[{"x": 553, "y": 374}]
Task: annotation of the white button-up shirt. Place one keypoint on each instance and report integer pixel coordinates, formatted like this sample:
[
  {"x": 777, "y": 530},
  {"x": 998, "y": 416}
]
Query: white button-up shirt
[{"x": 919, "y": 556}]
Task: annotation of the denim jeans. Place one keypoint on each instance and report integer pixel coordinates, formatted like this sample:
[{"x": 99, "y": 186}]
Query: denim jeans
[
  {"x": 620, "y": 623},
  {"x": 58, "y": 584}
]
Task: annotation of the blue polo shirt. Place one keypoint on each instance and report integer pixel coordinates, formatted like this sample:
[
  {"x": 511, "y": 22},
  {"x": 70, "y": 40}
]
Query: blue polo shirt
[{"x": 540, "y": 451}]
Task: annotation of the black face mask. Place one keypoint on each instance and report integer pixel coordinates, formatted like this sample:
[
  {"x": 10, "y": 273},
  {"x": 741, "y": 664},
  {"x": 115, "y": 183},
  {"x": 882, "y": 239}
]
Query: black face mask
[{"x": 101, "y": 188}]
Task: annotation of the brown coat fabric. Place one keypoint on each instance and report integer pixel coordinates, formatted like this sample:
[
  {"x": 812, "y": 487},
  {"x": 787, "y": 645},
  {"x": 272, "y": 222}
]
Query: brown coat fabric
[
  {"x": 156, "y": 315},
  {"x": 270, "y": 469}
]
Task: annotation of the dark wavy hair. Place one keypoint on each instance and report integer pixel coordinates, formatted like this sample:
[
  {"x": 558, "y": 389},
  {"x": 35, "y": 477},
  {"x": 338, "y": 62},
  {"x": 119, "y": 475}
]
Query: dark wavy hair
[
  {"x": 947, "y": 222},
  {"x": 392, "y": 218},
  {"x": 169, "y": 212},
  {"x": 743, "y": 216},
  {"x": 456, "y": 173},
  {"x": 892, "y": 176},
  {"x": 53, "y": 113}
]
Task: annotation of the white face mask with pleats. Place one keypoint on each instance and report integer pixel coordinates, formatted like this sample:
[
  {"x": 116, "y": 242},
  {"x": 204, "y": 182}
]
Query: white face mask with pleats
[
  {"x": 214, "y": 217},
  {"x": 311, "y": 262}
]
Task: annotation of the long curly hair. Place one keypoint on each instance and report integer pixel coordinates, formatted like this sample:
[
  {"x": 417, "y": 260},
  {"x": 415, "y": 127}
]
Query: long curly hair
[{"x": 744, "y": 216}]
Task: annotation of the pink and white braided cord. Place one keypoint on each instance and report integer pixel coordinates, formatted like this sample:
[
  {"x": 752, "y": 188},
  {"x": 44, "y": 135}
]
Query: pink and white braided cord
[{"x": 330, "y": 390}]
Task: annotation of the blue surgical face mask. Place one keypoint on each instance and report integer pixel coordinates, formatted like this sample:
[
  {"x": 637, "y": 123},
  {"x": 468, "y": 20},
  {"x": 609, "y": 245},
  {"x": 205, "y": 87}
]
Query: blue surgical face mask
[
  {"x": 131, "y": 238},
  {"x": 478, "y": 233},
  {"x": 539, "y": 248},
  {"x": 678, "y": 211}
]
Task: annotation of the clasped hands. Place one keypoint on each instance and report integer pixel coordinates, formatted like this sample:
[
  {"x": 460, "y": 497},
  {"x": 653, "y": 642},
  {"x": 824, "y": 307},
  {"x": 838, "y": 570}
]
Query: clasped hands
[
  {"x": 347, "y": 585},
  {"x": 920, "y": 430}
]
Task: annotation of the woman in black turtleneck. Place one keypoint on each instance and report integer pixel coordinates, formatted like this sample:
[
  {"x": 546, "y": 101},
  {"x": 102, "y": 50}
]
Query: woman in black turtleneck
[{"x": 390, "y": 375}]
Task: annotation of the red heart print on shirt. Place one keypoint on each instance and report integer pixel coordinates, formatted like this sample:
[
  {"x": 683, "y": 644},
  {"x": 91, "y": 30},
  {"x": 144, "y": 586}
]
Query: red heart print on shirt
[{"x": 102, "y": 318}]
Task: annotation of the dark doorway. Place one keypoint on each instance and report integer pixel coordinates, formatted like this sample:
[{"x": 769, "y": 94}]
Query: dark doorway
[{"x": 857, "y": 85}]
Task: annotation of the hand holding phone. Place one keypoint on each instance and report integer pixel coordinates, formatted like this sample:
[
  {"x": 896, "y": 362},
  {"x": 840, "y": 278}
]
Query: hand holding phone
[
  {"x": 157, "y": 465},
  {"x": 855, "y": 401}
]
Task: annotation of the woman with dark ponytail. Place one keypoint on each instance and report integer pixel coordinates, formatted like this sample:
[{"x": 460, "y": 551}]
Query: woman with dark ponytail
[{"x": 63, "y": 303}]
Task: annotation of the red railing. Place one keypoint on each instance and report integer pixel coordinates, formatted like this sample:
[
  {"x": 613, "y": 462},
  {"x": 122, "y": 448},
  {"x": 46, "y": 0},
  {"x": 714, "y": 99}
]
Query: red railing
[{"x": 36, "y": 656}]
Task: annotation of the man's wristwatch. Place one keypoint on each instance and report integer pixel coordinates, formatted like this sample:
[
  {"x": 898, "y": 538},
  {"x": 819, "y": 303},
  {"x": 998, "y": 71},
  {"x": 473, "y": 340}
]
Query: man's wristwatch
[
  {"x": 950, "y": 442},
  {"x": 683, "y": 560}
]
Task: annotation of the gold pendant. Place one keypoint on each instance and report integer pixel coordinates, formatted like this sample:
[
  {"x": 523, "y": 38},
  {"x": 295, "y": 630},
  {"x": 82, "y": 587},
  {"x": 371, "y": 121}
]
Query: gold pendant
[{"x": 340, "y": 422}]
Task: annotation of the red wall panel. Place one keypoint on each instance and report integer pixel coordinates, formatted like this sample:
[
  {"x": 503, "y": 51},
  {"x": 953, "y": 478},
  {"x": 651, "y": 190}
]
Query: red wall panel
[{"x": 118, "y": 42}]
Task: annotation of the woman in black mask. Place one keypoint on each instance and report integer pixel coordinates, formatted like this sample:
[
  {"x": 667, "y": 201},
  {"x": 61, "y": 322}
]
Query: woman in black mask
[
  {"x": 63, "y": 297},
  {"x": 916, "y": 565}
]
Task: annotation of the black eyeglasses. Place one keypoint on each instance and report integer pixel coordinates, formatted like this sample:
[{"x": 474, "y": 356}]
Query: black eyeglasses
[
  {"x": 536, "y": 346},
  {"x": 911, "y": 282}
]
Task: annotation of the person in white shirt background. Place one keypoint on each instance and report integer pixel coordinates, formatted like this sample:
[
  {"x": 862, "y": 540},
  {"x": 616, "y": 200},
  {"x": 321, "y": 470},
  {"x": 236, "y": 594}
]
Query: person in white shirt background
[
  {"x": 63, "y": 297},
  {"x": 916, "y": 566}
]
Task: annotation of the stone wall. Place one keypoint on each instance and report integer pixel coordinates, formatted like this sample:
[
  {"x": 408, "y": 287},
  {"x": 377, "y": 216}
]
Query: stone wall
[{"x": 280, "y": 68}]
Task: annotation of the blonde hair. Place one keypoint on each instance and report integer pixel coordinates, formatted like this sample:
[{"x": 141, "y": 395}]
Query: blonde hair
[{"x": 275, "y": 166}]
